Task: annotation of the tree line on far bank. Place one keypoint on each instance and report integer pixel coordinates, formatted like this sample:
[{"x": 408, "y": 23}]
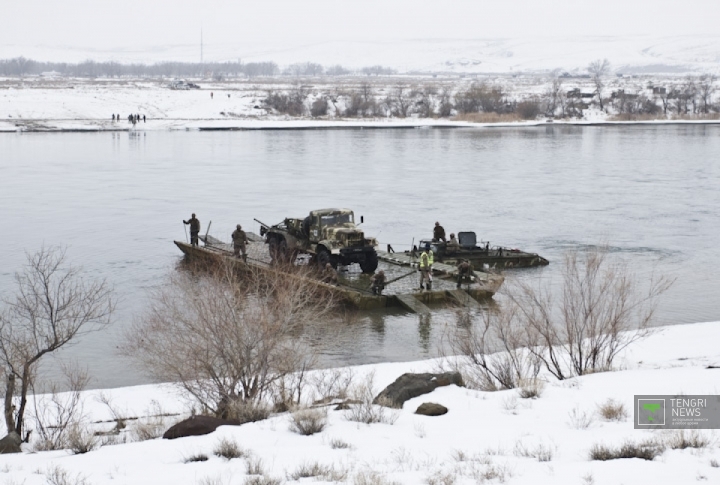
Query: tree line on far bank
[{"x": 22, "y": 66}]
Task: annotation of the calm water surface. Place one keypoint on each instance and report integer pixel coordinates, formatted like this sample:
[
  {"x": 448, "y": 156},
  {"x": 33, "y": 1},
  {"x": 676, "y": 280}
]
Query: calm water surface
[{"x": 117, "y": 201}]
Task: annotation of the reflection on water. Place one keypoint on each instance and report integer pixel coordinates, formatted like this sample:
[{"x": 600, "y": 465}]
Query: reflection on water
[{"x": 117, "y": 200}]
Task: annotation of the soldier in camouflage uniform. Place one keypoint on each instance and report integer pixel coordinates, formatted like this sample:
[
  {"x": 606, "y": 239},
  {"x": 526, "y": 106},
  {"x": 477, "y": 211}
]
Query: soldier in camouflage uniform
[
  {"x": 194, "y": 229},
  {"x": 240, "y": 240},
  {"x": 377, "y": 282},
  {"x": 329, "y": 275},
  {"x": 465, "y": 272},
  {"x": 439, "y": 233}
]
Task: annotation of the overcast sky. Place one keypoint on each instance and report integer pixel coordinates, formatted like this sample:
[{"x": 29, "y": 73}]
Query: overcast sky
[{"x": 151, "y": 24}]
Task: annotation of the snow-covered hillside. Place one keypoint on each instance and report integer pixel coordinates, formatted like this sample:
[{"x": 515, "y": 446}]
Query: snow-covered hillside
[{"x": 461, "y": 36}]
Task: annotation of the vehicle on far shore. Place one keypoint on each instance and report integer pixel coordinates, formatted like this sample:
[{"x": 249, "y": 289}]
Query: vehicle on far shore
[
  {"x": 327, "y": 235},
  {"x": 467, "y": 247},
  {"x": 182, "y": 85}
]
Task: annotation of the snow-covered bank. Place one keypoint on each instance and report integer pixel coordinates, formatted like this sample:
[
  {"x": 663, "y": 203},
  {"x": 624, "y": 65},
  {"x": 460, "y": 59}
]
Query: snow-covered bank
[
  {"x": 39, "y": 104},
  {"x": 485, "y": 436}
]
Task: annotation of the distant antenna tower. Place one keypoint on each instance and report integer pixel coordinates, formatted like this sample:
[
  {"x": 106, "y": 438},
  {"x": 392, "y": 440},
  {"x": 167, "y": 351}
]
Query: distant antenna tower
[{"x": 201, "y": 46}]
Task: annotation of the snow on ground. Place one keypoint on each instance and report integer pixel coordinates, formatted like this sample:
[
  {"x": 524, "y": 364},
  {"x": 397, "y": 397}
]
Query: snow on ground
[
  {"x": 484, "y": 434},
  {"x": 41, "y": 104}
]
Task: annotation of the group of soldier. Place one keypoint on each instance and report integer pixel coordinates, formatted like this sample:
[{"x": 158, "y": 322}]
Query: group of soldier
[
  {"x": 239, "y": 238},
  {"x": 329, "y": 275}
]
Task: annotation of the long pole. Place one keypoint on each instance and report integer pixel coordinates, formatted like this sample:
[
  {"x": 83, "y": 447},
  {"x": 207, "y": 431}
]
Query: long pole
[
  {"x": 207, "y": 232},
  {"x": 186, "y": 236}
]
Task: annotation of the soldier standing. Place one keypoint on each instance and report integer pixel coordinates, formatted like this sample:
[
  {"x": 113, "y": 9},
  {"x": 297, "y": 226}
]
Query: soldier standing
[
  {"x": 377, "y": 283},
  {"x": 194, "y": 229},
  {"x": 439, "y": 233},
  {"x": 425, "y": 269},
  {"x": 240, "y": 240}
]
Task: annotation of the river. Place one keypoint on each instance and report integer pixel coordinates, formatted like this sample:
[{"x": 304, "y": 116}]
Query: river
[{"x": 117, "y": 201}]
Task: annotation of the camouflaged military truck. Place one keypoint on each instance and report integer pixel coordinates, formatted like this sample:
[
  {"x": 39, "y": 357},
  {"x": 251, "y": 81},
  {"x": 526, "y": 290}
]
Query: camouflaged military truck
[{"x": 327, "y": 235}]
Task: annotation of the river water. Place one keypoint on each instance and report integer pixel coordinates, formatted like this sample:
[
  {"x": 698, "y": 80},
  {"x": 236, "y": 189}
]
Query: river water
[{"x": 117, "y": 201}]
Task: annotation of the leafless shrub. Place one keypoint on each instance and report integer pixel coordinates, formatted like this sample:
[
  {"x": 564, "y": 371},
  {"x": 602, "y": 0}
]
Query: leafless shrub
[
  {"x": 338, "y": 444},
  {"x": 53, "y": 305},
  {"x": 541, "y": 452},
  {"x": 598, "y": 71},
  {"x": 580, "y": 419},
  {"x": 254, "y": 466},
  {"x": 714, "y": 463},
  {"x": 370, "y": 477},
  {"x": 319, "y": 472},
  {"x": 531, "y": 388},
  {"x": 195, "y": 457},
  {"x": 490, "y": 353},
  {"x": 646, "y": 450},
  {"x": 528, "y": 109},
  {"x": 319, "y": 107},
  {"x": 150, "y": 427},
  {"x": 248, "y": 325},
  {"x": 229, "y": 449},
  {"x": 441, "y": 478},
  {"x": 59, "y": 476},
  {"x": 493, "y": 471},
  {"x": 601, "y": 312},
  {"x": 246, "y": 411},
  {"x": 680, "y": 440},
  {"x": 262, "y": 480},
  {"x": 58, "y": 418},
  {"x": 81, "y": 440},
  {"x": 308, "y": 421},
  {"x": 292, "y": 103},
  {"x": 330, "y": 384},
  {"x": 365, "y": 411},
  {"x": 612, "y": 410}
]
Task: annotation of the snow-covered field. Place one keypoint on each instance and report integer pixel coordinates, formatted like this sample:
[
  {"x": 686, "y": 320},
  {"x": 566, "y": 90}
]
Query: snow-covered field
[
  {"x": 486, "y": 437},
  {"x": 47, "y": 104}
]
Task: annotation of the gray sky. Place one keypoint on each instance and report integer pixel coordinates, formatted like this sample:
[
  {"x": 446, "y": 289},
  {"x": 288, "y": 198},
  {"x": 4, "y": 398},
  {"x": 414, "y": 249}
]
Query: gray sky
[{"x": 156, "y": 22}]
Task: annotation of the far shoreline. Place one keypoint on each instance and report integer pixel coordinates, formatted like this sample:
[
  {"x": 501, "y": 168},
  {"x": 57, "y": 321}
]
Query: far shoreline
[{"x": 219, "y": 124}]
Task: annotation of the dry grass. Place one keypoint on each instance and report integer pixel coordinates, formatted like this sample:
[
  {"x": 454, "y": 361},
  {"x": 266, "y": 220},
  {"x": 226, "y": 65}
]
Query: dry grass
[
  {"x": 59, "y": 476},
  {"x": 661, "y": 116},
  {"x": 682, "y": 439},
  {"x": 229, "y": 449},
  {"x": 580, "y": 419},
  {"x": 325, "y": 473},
  {"x": 531, "y": 388},
  {"x": 646, "y": 450},
  {"x": 612, "y": 410},
  {"x": 488, "y": 117},
  {"x": 338, "y": 444},
  {"x": 195, "y": 457},
  {"x": 308, "y": 421}
]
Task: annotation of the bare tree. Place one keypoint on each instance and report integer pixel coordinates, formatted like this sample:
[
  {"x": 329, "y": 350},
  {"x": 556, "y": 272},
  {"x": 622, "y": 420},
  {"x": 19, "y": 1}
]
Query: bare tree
[
  {"x": 53, "y": 306},
  {"x": 706, "y": 89},
  {"x": 553, "y": 97},
  {"x": 598, "y": 70},
  {"x": 227, "y": 337},
  {"x": 602, "y": 310}
]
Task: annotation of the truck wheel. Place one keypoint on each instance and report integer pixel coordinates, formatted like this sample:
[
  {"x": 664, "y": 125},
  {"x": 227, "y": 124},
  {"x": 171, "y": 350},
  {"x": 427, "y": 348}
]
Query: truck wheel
[
  {"x": 323, "y": 258},
  {"x": 370, "y": 264},
  {"x": 273, "y": 248},
  {"x": 282, "y": 251}
]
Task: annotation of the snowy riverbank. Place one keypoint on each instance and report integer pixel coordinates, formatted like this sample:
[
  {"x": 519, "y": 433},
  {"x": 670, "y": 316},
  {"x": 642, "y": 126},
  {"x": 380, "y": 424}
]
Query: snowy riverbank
[
  {"x": 488, "y": 437},
  {"x": 57, "y": 105}
]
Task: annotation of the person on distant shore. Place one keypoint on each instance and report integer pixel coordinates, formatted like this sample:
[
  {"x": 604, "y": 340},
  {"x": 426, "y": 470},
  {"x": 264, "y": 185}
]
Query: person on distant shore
[
  {"x": 113, "y": 117},
  {"x": 130, "y": 118},
  {"x": 239, "y": 239},
  {"x": 143, "y": 118},
  {"x": 211, "y": 95},
  {"x": 194, "y": 229},
  {"x": 439, "y": 233},
  {"x": 118, "y": 117}
]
